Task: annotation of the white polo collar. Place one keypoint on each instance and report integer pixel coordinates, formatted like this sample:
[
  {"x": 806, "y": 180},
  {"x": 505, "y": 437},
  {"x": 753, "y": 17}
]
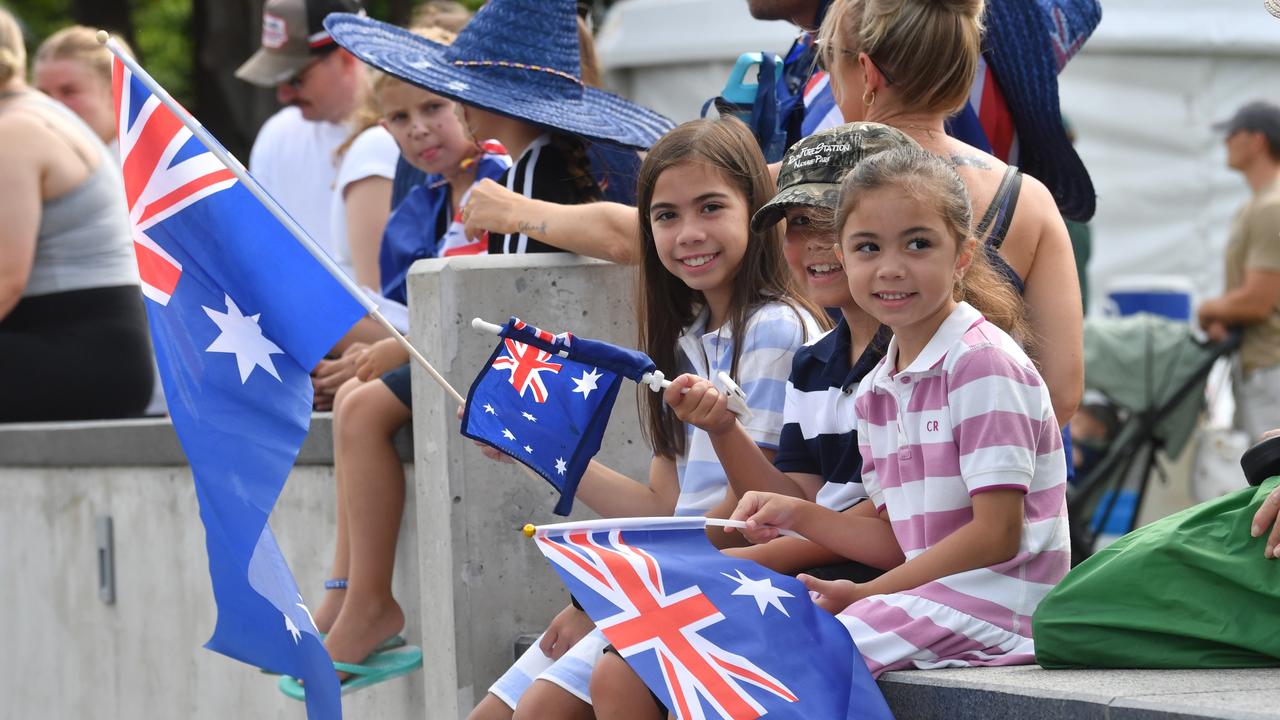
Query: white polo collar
[{"x": 949, "y": 333}]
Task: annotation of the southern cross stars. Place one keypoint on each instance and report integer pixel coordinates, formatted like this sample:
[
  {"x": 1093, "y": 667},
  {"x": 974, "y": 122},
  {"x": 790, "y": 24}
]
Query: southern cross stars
[
  {"x": 587, "y": 382},
  {"x": 561, "y": 467},
  {"x": 507, "y": 434},
  {"x": 762, "y": 590},
  {"x": 529, "y": 417},
  {"x": 242, "y": 337}
]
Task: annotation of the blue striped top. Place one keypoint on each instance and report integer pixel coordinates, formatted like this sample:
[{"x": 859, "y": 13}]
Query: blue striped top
[{"x": 771, "y": 336}]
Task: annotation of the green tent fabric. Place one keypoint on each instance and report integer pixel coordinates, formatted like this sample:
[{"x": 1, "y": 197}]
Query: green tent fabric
[{"x": 1189, "y": 591}]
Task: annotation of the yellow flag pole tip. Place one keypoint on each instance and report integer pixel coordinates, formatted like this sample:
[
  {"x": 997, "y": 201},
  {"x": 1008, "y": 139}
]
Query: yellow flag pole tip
[
  {"x": 103, "y": 37},
  {"x": 529, "y": 530}
]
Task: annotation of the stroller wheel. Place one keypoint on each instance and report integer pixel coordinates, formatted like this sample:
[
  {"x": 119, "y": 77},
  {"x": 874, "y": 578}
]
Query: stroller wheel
[{"x": 1261, "y": 461}]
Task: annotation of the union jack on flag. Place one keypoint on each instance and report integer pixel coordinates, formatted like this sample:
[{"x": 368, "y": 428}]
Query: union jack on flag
[
  {"x": 711, "y": 635},
  {"x": 163, "y": 175},
  {"x": 556, "y": 426},
  {"x": 239, "y": 313},
  {"x": 526, "y": 362}
]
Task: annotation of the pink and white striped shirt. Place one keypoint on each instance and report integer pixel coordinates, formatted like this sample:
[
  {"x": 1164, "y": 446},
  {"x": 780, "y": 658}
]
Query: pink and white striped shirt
[{"x": 969, "y": 415}]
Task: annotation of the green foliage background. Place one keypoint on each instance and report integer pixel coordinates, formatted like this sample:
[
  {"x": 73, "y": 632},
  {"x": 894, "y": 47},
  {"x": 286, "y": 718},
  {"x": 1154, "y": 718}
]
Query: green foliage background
[{"x": 162, "y": 35}]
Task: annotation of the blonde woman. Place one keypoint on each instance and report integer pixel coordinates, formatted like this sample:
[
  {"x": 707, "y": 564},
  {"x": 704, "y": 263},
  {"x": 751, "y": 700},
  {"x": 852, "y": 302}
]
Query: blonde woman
[
  {"x": 73, "y": 336},
  {"x": 72, "y": 67}
]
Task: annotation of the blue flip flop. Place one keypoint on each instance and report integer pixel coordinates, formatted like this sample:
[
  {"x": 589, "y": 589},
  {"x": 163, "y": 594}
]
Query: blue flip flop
[{"x": 376, "y": 668}]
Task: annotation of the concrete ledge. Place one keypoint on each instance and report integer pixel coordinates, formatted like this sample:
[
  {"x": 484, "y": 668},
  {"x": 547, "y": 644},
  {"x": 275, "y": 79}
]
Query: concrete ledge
[
  {"x": 1033, "y": 692},
  {"x": 144, "y": 442}
]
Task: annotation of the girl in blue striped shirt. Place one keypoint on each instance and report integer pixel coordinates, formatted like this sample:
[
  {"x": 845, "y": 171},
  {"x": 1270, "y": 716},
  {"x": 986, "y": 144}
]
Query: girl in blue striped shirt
[{"x": 714, "y": 295}]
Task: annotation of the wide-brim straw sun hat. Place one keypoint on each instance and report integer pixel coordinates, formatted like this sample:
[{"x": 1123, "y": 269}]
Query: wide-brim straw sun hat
[
  {"x": 812, "y": 169},
  {"x": 517, "y": 58},
  {"x": 1028, "y": 44}
]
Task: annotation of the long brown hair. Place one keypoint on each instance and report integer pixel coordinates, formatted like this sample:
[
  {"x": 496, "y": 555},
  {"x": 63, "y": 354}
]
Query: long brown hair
[
  {"x": 927, "y": 179},
  {"x": 665, "y": 305}
]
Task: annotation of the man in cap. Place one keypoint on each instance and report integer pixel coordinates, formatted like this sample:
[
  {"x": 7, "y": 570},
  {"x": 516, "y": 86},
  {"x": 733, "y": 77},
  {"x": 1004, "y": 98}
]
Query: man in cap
[
  {"x": 320, "y": 85},
  {"x": 1251, "y": 300}
]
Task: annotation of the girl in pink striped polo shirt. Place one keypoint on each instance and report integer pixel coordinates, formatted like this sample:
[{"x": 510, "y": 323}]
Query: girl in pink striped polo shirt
[{"x": 961, "y": 452}]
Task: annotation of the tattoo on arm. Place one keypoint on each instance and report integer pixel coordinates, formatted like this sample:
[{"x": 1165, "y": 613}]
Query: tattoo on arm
[
  {"x": 529, "y": 228},
  {"x": 969, "y": 161}
]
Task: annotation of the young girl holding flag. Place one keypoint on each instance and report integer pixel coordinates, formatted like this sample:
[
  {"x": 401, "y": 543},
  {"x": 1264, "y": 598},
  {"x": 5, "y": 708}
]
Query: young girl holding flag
[
  {"x": 715, "y": 295},
  {"x": 960, "y": 448},
  {"x": 961, "y": 453}
]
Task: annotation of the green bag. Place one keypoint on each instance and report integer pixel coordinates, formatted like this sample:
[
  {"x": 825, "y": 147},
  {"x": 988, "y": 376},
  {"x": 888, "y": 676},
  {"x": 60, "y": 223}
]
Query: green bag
[{"x": 1189, "y": 591}]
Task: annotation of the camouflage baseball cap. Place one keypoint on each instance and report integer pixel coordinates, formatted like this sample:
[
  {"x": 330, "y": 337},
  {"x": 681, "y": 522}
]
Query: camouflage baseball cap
[{"x": 813, "y": 168}]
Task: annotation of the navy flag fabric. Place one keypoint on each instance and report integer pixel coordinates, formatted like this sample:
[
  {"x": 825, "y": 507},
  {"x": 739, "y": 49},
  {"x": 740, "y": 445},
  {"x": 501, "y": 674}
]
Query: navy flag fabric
[
  {"x": 711, "y": 635},
  {"x": 239, "y": 314},
  {"x": 545, "y": 400}
]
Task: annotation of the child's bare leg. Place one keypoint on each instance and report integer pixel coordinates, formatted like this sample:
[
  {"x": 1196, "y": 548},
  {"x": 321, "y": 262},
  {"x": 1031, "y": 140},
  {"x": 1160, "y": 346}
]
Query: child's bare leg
[
  {"x": 490, "y": 708},
  {"x": 332, "y": 602},
  {"x": 617, "y": 693},
  {"x": 373, "y": 486},
  {"x": 545, "y": 699}
]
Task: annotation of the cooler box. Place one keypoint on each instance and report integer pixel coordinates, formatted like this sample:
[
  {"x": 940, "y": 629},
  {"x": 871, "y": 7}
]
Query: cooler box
[{"x": 1171, "y": 296}]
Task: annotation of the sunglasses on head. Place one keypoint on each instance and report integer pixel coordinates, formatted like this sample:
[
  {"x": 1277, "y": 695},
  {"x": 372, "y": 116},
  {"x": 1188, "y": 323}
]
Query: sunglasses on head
[{"x": 821, "y": 61}]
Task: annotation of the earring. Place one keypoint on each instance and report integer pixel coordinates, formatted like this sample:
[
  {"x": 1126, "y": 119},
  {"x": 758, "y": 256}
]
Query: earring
[{"x": 870, "y": 102}]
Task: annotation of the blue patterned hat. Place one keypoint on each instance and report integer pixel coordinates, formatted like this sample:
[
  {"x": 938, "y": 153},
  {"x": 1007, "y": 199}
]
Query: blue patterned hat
[
  {"x": 517, "y": 58},
  {"x": 1028, "y": 42}
]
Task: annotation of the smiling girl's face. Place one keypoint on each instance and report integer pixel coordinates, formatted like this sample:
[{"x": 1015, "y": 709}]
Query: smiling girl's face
[
  {"x": 902, "y": 262},
  {"x": 699, "y": 224}
]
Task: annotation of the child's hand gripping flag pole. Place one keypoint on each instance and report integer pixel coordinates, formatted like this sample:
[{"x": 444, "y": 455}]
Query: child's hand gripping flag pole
[
  {"x": 545, "y": 399},
  {"x": 711, "y": 635}
]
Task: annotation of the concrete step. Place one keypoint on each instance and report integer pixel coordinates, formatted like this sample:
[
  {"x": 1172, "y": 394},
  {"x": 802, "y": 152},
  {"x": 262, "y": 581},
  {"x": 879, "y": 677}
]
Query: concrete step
[{"x": 1033, "y": 692}]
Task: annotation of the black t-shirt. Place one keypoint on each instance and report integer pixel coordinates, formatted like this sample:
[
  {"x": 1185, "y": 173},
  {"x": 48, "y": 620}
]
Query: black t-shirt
[{"x": 541, "y": 173}]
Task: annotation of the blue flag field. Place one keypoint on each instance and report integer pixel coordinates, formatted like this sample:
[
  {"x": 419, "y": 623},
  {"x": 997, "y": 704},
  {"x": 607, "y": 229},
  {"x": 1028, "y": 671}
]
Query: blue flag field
[{"x": 239, "y": 313}]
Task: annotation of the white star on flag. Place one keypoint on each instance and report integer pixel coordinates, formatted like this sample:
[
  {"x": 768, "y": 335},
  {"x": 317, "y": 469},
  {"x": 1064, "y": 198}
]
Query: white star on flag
[
  {"x": 489, "y": 409},
  {"x": 587, "y": 382},
  {"x": 507, "y": 434},
  {"x": 529, "y": 417},
  {"x": 528, "y": 449},
  {"x": 242, "y": 337},
  {"x": 293, "y": 629},
  {"x": 560, "y": 466},
  {"x": 762, "y": 590}
]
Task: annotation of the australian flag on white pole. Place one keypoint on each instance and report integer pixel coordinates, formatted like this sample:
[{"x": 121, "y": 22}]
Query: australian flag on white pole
[
  {"x": 712, "y": 636},
  {"x": 239, "y": 313},
  {"x": 545, "y": 400}
]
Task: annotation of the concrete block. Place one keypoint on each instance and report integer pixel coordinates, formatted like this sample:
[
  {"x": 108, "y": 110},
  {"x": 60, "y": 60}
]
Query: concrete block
[
  {"x": 480, "y": 576},
  {"x": 69, "y": 655},
  {"x": 141, "y": 442}
]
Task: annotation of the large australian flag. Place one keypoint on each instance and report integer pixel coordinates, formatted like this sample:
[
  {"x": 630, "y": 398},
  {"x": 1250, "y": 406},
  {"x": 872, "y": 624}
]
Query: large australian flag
[
  {"x": 239, "y": 313},
  {"x": 711, "y": 635},
  {"x": 545, "y": 400}
]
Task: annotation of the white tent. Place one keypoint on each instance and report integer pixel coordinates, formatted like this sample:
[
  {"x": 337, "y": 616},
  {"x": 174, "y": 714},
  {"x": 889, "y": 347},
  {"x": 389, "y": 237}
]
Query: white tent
[{"x": 1142, "y": 95}]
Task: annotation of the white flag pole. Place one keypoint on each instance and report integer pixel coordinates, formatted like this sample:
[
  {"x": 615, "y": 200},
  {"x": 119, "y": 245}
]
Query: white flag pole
[{"x": 274, "y": 208}]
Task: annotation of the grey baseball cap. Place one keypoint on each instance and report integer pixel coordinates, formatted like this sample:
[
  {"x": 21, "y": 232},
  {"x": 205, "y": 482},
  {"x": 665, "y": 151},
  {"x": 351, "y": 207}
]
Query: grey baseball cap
[
  {"x": 813, "y": 168},
  {"x": 293, "y": 34},
  {"x": 1258, "y": 116}
]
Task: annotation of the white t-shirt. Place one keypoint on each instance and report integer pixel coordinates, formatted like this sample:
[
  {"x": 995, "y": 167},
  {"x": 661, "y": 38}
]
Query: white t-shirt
[
  {"x": 373, "y": 154},
  {"x": 292, "y": 158}
]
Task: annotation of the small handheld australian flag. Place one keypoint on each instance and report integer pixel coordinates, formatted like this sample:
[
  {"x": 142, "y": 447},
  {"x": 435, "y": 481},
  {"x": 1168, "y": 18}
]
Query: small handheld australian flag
[{"x": 545, "y": 400}]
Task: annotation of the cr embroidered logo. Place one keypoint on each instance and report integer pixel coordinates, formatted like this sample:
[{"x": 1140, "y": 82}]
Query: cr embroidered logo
[{"x": 931, "y": 426}]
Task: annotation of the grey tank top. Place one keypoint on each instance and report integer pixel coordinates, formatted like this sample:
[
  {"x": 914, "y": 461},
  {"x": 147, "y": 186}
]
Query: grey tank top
[{"x": 84, "y": 240}]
